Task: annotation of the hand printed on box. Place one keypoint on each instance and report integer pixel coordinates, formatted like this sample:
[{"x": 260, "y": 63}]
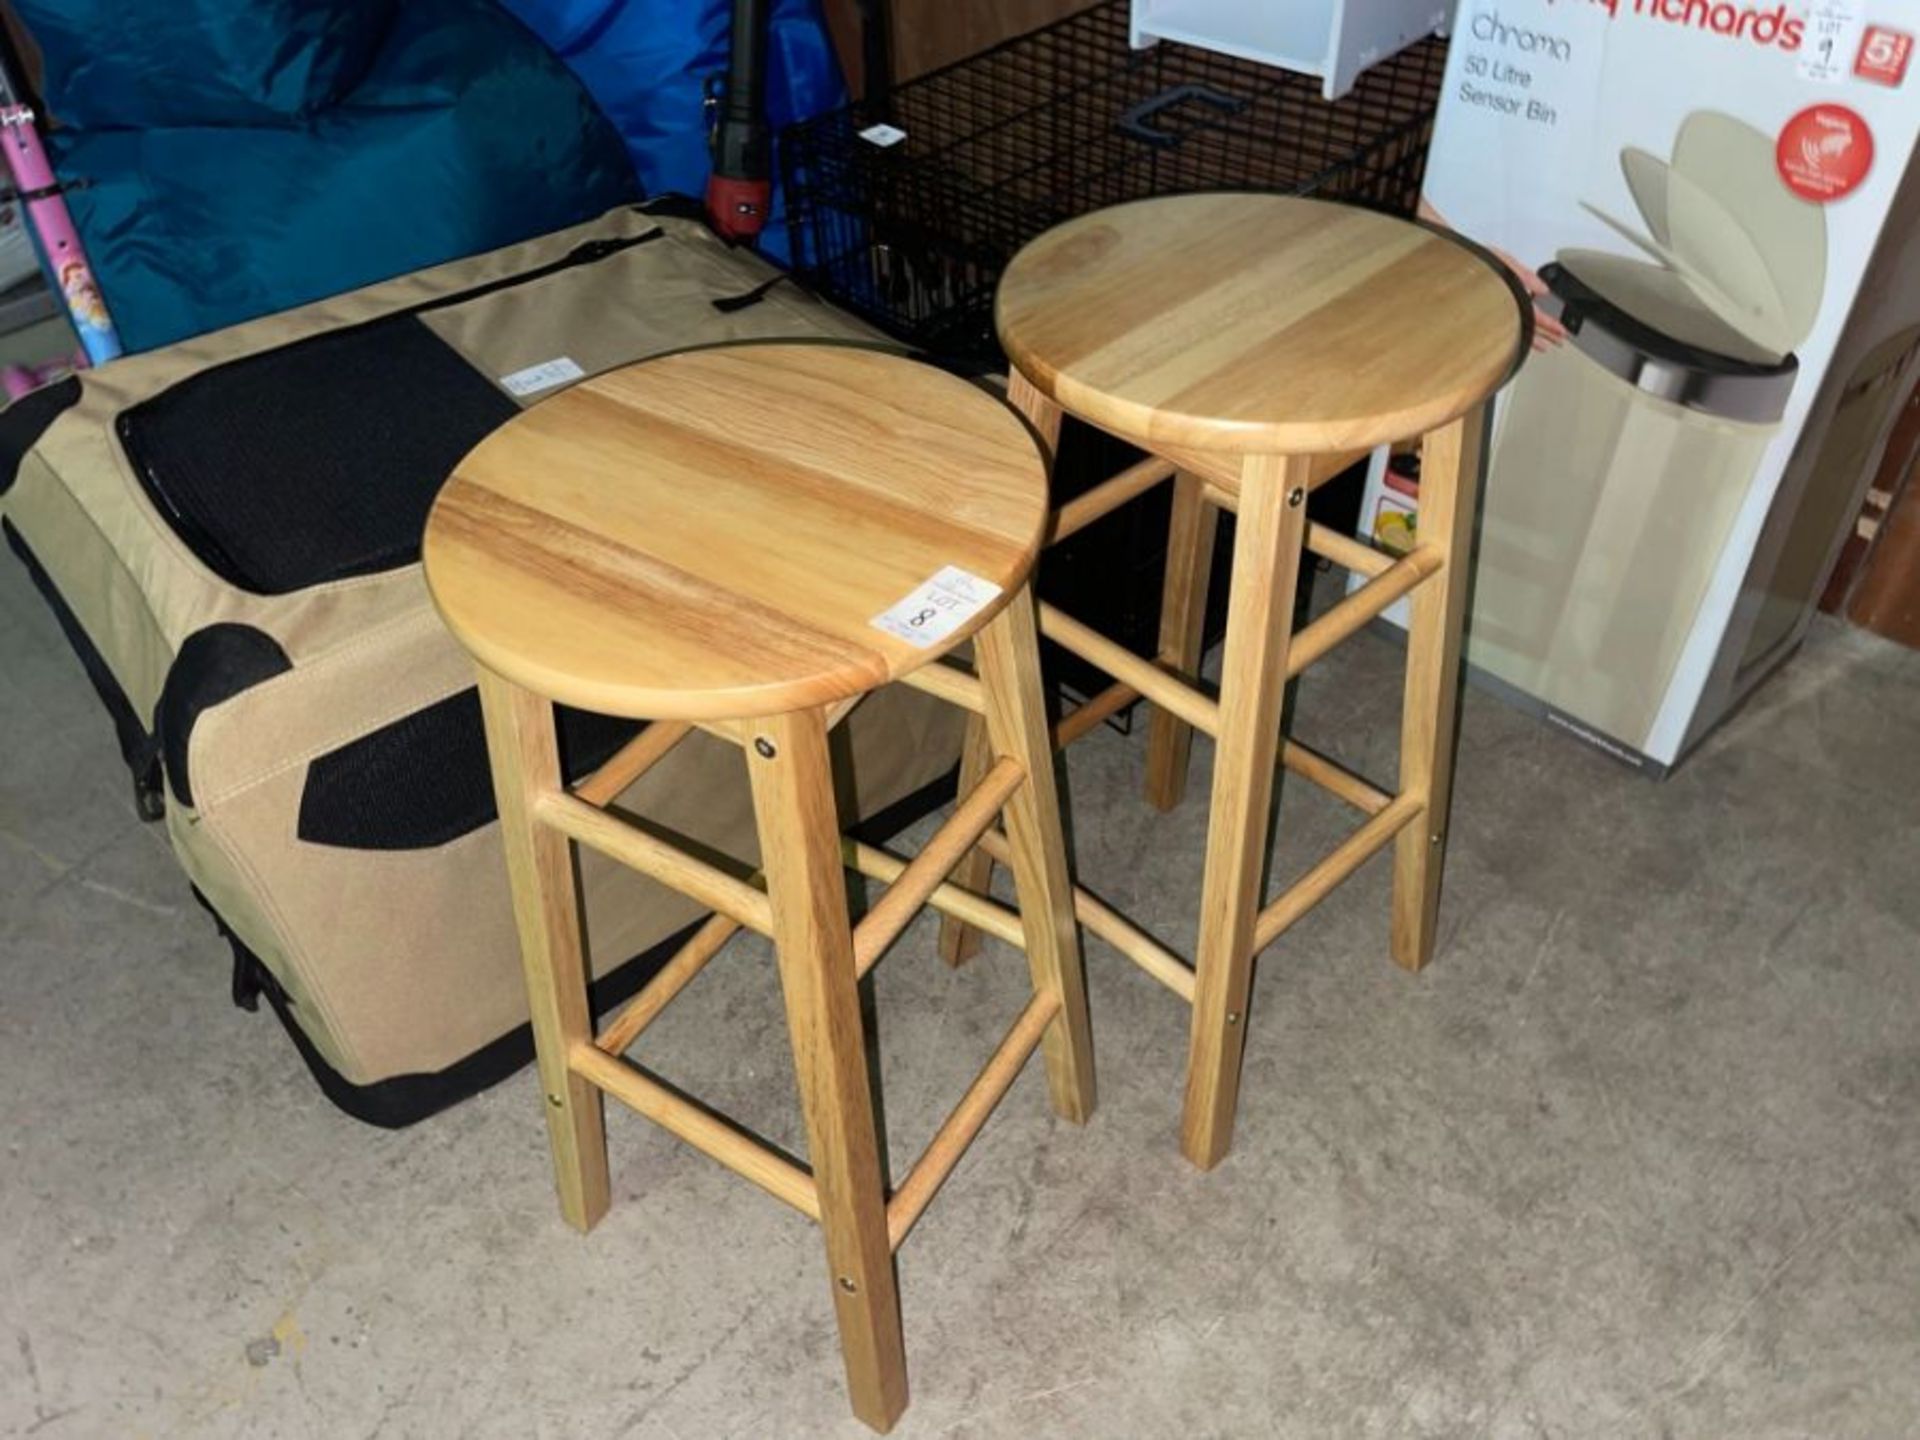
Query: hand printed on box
[{"x": 1548, "y": 332}]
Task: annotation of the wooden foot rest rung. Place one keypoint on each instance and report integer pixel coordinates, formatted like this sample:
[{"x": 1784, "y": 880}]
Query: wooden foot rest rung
[
  {"x": 911, "y": 885},
  {"x": 949, "y": 683},
  {"x": 837, "y": 713},
  {"x": 1221, "y": 469},
  {"x": 780, "y": 1177},
  {"x": 1153, "y": 683},
  {"x": 643, "y": 1009},
  {"x": 1114, "y": 928},
  {"x": 1110, "y": 701},
  {"x": 1106, "y": 497},
  {"x": 1345, "y": 551},
  {"x": 928, "y": 870},
  {"x": 1134, "y": 943},
  {"x": 1322, "y": 540},
  {"x": 962, "y": 904},
  {"x": 657, "y": 858},
  {"x": 1333, "y": 777},
  {"x": 1319, "y": 882},
  {"x": 631, "y": 761},
  {"x": 950, "y": 1142},
  {"x": 1308, "y": 764},
  {"x": 1364, "y": 605},
  {"x": 700, "y": 1128}
]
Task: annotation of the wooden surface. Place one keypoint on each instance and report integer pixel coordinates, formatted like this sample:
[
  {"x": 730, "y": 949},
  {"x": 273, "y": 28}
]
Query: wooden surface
[
  {"x": 1888, "y": 598},
  {"x": 1257, "y": 342},
  {"x": 978, "y": 911},
  {"x": 1451, "y": 466},
  {"x": 929, "y": 33},
  {"x": 1114, "y": 928},
  {"x": 1880, "y": 586},
  {"x": 1257, "y": 323},
  {"x": 976, "y": 809},
  {"x": 712, "y": 533},
  {"x": 525, "y": 759},
  {"x": 673, "y": 977},
  {"x": 813, "y": 944},
  {"x": 631, "y": 761},
  {"x": 694, "y": 1123},
  {"x": 1146, "y": 676},
  {"x": 1183, "y": 615},
  {"x": 1268, "y": 539},
  {"x": 1345, "y": 619},
  {"x": 1334, "y": 868},
  {"x": 1106, "y": 497},
  {"x": 656, "y": 858},
  {"x": 1079, "y": 721},
  {"x": 961, "y": 1128},
  {"x": 959, "y": 942},
  {"x": 1008, "y": 653}
]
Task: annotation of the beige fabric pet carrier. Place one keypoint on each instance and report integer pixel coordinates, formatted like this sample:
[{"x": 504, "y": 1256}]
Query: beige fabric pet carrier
[{"x": 228, "y": 531}]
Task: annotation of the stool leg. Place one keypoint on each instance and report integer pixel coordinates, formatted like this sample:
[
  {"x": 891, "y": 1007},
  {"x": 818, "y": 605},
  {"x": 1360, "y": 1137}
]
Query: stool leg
[
  {"x": 546, "y": 906},
  {"x": 800, "y": 848},
  {"x": 1008, "y": 652},
  {"x": 1450, "y": 471},
  {"x": 1183, "y": 615},
  {"x": 959, "y": 941},
  {"x": 1266, "y": 566}
]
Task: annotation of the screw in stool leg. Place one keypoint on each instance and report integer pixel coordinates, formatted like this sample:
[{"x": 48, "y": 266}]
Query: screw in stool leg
[
  {"x": 1008, "y": 651},
  {"x": 800, "y": 850},
  {"x": 1266, "y": 566},
  {"x": 1450, "y": 476},
  {"x": 959, "y": 941},
  {"x": 1183, "y": 616},
  {"x": 546, "y": 904}
]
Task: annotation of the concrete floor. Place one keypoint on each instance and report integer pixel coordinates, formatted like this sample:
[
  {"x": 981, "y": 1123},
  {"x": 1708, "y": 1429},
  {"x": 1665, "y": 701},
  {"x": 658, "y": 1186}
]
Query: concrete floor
[{"x": 1638, "y": 1156}]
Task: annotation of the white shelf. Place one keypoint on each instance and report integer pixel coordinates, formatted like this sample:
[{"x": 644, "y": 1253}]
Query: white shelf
[
  {"x": 1287, "y": 33},
  {"x": 1334, "y": 39}
]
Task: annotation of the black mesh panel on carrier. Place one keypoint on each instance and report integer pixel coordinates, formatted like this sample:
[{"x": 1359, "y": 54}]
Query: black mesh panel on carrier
[{"x": 912, "y": 233}]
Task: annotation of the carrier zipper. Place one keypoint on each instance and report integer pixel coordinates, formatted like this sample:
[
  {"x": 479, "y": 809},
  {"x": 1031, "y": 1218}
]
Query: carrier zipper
[
  {"x": 139, "y": 744},
  {"x": 587, "y": 252}
]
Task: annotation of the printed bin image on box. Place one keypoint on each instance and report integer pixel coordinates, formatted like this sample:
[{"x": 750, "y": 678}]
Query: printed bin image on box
[{"x": 1653, "y": 419}]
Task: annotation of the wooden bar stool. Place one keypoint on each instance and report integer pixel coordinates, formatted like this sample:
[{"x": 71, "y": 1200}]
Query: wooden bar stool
[
  {"x": 1255, "y": 346},
  {"x": 747, "y": 540}
]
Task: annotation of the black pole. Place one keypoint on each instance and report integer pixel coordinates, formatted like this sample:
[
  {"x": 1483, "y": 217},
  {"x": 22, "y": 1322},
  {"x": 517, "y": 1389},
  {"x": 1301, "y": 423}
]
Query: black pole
[
  {"x": 876, "y": 54},
  {"x": 14, "y": 86}
]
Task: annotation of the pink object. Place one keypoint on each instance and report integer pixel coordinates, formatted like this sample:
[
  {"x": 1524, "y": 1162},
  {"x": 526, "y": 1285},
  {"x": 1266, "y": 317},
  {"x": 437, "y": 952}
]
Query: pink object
[
  {"x": 60, "y": 244},
  {"x": 1397, "y": 479},
  {"x": 18, "y": 380}
]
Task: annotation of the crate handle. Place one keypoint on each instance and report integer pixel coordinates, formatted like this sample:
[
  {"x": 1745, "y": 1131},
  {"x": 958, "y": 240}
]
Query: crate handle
[{"x": 1134, "y": 121}]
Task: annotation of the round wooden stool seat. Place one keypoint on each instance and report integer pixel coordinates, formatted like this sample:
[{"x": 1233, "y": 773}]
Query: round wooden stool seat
[
  {"x": 712, "y": 535},
  {"x": 1258, "y": 324}
]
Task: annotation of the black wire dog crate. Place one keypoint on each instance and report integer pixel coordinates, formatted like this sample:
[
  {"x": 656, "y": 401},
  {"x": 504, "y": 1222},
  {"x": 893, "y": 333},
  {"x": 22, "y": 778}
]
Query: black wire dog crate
[{"x": 906, "y": 210}]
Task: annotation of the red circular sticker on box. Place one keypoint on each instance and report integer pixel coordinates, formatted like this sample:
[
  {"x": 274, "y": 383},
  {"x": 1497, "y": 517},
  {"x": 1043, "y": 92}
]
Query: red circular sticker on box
[{"x": 1824, "y": 153}]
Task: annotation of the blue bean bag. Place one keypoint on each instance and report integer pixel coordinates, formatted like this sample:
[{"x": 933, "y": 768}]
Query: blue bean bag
[{"x": 236, "y": 157}]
